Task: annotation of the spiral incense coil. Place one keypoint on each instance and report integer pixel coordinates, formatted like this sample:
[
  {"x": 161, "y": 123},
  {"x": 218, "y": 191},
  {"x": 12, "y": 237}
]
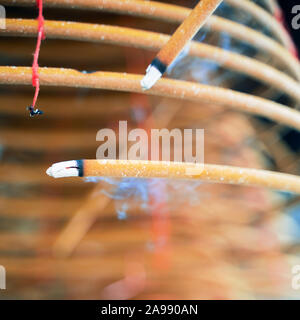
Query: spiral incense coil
[
  {"x": 145, "y": 229},
  {"x": 152, "y": 41},
  {"x": 178, "y": 14},
  {"x": 166, "y": 88}
]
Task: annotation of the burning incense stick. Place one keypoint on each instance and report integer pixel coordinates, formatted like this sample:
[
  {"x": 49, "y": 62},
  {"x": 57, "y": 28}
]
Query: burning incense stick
[
  {"x": 178, "y": 41},
  {"x": 175, "y": 170}
]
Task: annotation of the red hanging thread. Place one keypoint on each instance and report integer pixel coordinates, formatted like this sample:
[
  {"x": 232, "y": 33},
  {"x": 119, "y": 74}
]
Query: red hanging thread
[{"x": 35, "y": 65}]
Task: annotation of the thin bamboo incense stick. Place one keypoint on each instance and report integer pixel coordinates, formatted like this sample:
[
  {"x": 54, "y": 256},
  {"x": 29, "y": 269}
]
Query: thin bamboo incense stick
[
  {"x": 175, "y": 170},
  {"x": 173, "y": 13},
  {"x": 186, "y": 31},
  {"x": 155, "y": 41},
  {"x": 167, "y": 12},
  {"x": 166, "y": 88}
]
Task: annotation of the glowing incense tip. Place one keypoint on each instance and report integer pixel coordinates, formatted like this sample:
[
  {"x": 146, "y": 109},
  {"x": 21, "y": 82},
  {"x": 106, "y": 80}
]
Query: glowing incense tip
[
  {"x": 151, "y": 77},
  {"x": 64, "y": 169}
]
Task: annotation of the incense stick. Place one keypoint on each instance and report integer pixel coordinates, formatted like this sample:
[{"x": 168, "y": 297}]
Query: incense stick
[
  {"x": 174, "y": 13},
  {"x": 165, "y": 88},
  {"x": 154, "y": 41},
  {"x": 175, "y": 170},
  {"x": 186, "y": 31}
]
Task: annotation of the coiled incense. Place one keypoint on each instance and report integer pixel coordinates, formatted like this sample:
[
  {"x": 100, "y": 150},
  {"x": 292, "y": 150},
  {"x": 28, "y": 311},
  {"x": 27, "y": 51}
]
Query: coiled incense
[
  {"x": 177, "y": 14},
  {"x": 175, "y": 170},
  {"x": 265, "y": 19},
  {"x": 154, "y": 41},
  {"x": 159, "y": 11},
  {"x": 165, "y": 87},
  {"x": 219, "y": 238}
]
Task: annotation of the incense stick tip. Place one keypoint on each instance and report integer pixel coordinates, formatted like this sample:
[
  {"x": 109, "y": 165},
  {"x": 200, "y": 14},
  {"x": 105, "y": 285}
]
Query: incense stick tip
[
  {"x": 151, "y": 77},
  {"x": 63, "y": 169}
]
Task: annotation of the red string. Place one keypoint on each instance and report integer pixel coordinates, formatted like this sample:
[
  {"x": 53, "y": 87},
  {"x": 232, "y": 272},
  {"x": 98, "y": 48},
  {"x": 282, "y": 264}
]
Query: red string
[{"x": 35, "y": 65}]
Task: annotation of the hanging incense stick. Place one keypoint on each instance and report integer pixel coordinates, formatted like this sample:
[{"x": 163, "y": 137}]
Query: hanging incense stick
[{"x": 178, "y": 41}]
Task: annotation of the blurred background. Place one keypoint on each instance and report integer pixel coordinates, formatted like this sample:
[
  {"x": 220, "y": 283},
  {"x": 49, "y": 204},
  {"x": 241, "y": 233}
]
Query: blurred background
[{"x": 133, "y": 238}]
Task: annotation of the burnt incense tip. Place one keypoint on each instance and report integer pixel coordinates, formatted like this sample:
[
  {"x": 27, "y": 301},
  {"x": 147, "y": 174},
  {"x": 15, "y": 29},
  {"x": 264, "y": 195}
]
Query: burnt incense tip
[
  {"x": 64, "y": 169},
  {"x": 33, "y": 112},
  {"x": 151, "y": 77}
]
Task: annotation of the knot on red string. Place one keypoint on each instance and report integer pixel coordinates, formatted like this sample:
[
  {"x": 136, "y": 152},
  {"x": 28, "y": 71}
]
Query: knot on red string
[{"x": 35, "y": 80}]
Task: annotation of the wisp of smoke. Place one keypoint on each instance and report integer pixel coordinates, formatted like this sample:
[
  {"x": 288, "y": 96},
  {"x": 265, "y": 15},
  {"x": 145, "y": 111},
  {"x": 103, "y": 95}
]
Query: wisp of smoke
[{"x": 138, "y": 192}]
